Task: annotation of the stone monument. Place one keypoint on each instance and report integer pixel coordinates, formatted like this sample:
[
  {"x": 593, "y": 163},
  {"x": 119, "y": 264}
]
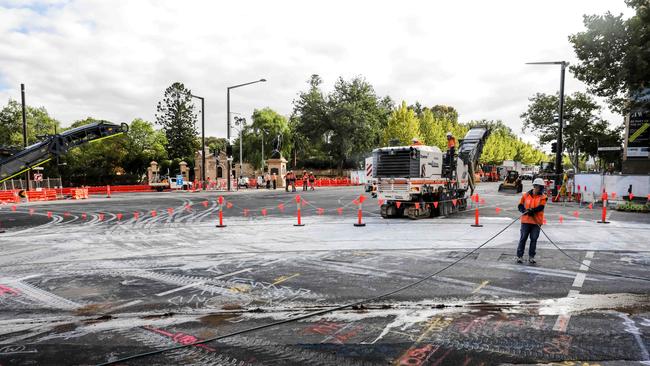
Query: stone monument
[{"x": 277, "y": 164}]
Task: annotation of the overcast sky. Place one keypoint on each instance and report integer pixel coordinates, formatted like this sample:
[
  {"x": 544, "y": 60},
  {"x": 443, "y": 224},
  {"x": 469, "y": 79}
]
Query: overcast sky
[{"x": 113, "y": 59}]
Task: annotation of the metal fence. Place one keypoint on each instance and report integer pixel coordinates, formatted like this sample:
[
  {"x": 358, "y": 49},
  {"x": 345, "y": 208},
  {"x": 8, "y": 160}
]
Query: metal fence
[{"x": 12, "y": 184}]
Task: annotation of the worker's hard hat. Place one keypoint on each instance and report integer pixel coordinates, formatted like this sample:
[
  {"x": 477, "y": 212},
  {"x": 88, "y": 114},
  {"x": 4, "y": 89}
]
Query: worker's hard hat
[
  {"x": 449, "y": 134},
  {"x": 538, "y": 182}
]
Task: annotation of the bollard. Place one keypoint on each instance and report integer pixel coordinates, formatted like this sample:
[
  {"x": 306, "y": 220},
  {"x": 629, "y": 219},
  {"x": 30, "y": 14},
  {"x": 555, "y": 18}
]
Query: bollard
[
  {"x": 108, "y": 191},
  {"x": 221, "y": 212},
  {"x": 298, "y": 212},
  {"x": 476, "y": 224},
  {"x": 359, "y": 222},
  {"x": 603, "y": 220}
]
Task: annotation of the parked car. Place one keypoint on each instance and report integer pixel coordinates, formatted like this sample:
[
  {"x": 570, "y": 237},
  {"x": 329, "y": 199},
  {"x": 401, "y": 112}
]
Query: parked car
[{"x": 243, "y": 182}]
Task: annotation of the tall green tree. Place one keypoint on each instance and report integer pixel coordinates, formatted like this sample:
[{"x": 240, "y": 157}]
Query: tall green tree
[
  {"x": 342, "y": 126},
  {"x": 270, "y": 124},
  {"x": 403, "y": 126},
  {"x": 584, "y": 126},
  {"x": 143, "y": 144},
  {"x": 175, "y": 113},
  {"x": 39, "y": 123},
  {"x": 614, "y": 55}
]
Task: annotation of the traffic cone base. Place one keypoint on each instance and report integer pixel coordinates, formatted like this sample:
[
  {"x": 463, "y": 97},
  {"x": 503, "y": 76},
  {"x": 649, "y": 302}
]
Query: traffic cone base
[{"x": 359, "y": 225}]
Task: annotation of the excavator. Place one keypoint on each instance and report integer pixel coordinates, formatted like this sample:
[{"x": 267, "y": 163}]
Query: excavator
[
  {"x": 52, "y": 146},
  {"x": 410, "y": 178}
]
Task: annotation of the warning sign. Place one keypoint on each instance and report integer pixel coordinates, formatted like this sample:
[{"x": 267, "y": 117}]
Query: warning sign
[{"x": 38, "y": 177}]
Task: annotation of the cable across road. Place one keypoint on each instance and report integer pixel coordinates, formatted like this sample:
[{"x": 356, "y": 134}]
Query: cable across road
[
  {"x": 315, "y": 313},
  {"x": 360, "y": 302}
]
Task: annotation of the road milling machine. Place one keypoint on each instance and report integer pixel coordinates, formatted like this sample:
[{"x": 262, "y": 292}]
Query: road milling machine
[{"x": 411, "y": 178}]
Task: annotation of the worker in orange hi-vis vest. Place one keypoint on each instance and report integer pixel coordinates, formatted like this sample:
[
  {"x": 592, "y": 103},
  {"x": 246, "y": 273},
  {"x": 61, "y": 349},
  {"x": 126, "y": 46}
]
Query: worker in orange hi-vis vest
[
  {"x": 531, "y": 205},
  {"x": 451, "y": 148}
]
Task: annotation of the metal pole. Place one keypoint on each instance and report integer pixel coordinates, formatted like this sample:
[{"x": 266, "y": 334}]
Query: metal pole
[
  {"x": 262, "y": 152},
  {"x": 241, "y": 159},
  {"x": 203, "y": 143},
  {"x": 228, "y": 135},
  {"x": 22, "y": 96},
  {"x": 558, "y": 154}
]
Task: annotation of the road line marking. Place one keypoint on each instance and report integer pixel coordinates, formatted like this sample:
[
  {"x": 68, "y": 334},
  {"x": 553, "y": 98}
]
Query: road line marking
[
  {"x": 281, "y": 279},
  {"x": 630, "y": 327},
  {"x": 179, "y": 289},
  {"x": 232, "y": 274},
  {"x": 573, "y": 293},
  {"x": 585, "y": 265},
  {"x": 561, "y": 323},
  {"x": 580, "y": 279},
  {"x": 134, "y": 302},
  {"x": 483, "y": 284},
  {"x": 589, "y": 255}
]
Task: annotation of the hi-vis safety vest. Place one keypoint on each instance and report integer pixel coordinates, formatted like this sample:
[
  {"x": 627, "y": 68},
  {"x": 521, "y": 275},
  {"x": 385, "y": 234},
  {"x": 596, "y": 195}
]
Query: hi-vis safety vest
[
  {"x": 451, "y": 142},
  {"x": 532, "y": 201}
]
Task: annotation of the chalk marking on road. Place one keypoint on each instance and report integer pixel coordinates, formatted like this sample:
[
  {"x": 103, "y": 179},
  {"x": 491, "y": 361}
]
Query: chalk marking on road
[
  {"x": 480, "y": 286},
  {"x": 561, "y": 323},
  {"x": 630, "y": 327},
  {"x": 579, "y": 280},
  {"x": 130, "y": 303},
  {"x": 281, "y": 279},
  {"x": 180, "y": 288},
  {"x": 232, "y": 273}
]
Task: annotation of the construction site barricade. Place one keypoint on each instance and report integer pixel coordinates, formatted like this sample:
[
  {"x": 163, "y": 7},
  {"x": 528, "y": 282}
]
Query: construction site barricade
[{"x": 9, "y": 196}]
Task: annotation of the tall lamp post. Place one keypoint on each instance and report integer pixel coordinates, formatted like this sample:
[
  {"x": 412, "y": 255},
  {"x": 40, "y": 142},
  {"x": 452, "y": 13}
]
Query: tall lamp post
[
  {"x": 22, "y": 97},
  {"x": 202, "y": 139},
  {"x": 228, "y": 116},
  {"x": 241, "y": 122},
  {"x": 262, "y": 132},
  {"x": 558, "y": 154}
]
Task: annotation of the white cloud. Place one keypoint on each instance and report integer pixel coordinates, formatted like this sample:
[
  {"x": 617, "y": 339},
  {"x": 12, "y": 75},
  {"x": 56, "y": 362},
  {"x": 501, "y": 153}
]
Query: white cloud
[{"x": 113, "y": 59}]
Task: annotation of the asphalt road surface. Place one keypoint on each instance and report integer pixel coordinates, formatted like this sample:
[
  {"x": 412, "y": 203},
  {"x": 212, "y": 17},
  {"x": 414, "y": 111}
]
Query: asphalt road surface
[{"x": 93, "y": 281}]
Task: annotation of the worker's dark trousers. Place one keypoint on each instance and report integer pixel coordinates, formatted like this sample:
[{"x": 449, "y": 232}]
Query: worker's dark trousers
[{"x": 531, "y": 230}]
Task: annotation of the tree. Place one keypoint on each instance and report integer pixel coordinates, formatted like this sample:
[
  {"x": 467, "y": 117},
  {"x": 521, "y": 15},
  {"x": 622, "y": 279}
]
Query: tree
[
  {"x": 614, "y": 55},
  {"x": 143, "y": 144},
  {"x": 215, "y": 144},
  {"x": 270, "y": 123},
  {"x": 97, "y": 162},
  {"x": 340, "y": 128},
  {"x": 583, "y": 128},
  {"x": 175, "y": 113},
  {"x": 39, "y": 123},
  {"x": 403, "y": 126}
]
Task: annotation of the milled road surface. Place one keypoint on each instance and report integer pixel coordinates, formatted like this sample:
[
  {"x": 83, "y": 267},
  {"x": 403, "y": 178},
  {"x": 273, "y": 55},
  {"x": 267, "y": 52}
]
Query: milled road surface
[{"x": 92, "y": 281}]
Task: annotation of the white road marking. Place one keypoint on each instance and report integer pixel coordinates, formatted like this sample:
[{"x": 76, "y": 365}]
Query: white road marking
[
  {"x": 232, "y": 273},
  {"x": 579, "y": 280},
  {"x": 134, "y": 302},
  {"x": 179, "y": 288},
  {"x": 562, "y": 321}
]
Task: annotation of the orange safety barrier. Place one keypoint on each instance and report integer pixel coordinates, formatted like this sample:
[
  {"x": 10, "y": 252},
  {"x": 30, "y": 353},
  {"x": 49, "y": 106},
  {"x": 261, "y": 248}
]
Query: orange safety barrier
[{"x": 9, "y": 197}]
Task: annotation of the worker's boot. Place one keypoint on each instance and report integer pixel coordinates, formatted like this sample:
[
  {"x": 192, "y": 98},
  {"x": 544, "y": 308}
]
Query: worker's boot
[
  {"x": 531, "y": 260},
  {"x": 520, "y": 260}
]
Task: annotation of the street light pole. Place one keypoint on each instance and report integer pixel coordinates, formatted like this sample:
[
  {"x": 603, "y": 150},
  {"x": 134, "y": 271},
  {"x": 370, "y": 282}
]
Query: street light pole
[
  {"x": 202, "y": 140},
  {"x": 22, "y": 97},
  {"x": 228, "y": 117},
  {"x": 558, "y": 154}
]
